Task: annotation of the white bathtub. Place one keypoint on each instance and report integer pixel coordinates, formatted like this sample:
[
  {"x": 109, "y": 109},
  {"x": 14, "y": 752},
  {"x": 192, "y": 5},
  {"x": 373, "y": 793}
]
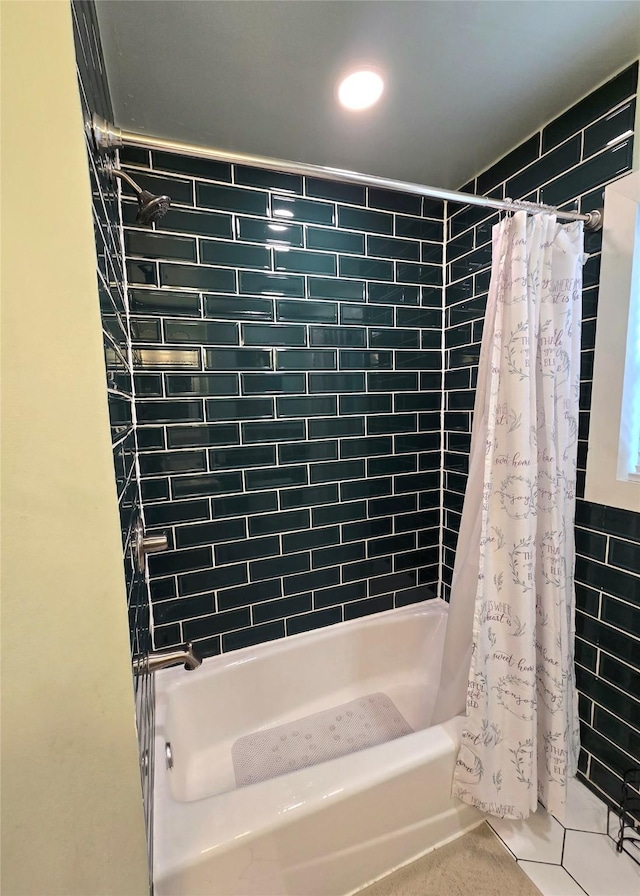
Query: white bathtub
[{"x": 326, "y": 830}]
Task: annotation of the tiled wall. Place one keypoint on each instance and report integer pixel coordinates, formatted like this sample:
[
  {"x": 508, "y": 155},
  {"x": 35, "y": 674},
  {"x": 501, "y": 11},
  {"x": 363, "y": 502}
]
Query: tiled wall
[
  {"x": 287, "y": 336},
  {"x": 94, "y": 94},
  {"x": 569, "y": 160}
]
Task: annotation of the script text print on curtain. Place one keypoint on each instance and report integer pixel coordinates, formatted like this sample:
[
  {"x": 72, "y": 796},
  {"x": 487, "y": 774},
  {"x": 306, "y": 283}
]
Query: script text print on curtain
[{"x": 521, "y": 739}]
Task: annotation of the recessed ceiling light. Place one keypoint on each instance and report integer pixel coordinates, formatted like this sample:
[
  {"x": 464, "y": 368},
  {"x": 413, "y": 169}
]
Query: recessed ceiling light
[{"x": 360, "y": 89}]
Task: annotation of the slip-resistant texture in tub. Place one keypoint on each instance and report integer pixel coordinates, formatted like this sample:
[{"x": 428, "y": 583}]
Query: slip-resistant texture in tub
[{"x": 334, "y": 732}]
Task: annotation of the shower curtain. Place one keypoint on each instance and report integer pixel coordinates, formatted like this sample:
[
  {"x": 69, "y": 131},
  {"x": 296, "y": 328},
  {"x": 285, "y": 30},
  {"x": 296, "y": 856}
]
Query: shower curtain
[{"x": 510, "y": 635}]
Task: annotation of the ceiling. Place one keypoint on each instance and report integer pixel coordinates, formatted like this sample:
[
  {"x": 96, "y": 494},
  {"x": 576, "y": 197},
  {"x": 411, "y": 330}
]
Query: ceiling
[{"x": 466, "y": 81}]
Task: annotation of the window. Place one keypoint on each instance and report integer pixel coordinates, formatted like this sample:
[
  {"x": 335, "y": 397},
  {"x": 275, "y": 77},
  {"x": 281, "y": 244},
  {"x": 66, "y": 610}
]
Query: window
[{"x": 613, "y": 460}]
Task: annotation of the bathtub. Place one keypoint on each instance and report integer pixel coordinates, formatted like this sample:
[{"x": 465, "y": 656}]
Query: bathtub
[{"x": 324, "y": 830}]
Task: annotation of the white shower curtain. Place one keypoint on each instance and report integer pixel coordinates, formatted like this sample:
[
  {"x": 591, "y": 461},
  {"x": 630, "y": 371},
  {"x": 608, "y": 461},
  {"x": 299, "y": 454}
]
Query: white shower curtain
[{"x": 510, "y": 635}]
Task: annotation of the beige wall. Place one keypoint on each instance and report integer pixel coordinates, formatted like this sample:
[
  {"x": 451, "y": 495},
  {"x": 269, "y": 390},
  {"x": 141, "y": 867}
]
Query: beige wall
[{"x": 72, "y": 819}]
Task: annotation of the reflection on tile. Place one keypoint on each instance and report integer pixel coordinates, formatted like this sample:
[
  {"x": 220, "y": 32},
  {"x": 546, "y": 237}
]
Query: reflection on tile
[
  {"x": 552, "y": 880},
  {"x": 538, "y": 837},
  {"x": 593, "y": 861}
]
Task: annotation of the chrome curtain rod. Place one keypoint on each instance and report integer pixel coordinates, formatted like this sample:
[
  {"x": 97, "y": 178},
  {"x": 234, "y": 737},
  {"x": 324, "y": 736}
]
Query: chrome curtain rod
[{"x": 106, "y": 136}]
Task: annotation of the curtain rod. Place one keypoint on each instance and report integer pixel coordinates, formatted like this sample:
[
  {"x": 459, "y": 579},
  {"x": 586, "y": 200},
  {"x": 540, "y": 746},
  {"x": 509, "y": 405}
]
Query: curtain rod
[{"x": 106, "y": 136}]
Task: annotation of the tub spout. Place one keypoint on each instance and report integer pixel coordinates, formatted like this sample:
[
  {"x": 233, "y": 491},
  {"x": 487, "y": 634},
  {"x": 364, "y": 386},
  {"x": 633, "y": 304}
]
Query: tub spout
[{"x": 161, "y": 659}]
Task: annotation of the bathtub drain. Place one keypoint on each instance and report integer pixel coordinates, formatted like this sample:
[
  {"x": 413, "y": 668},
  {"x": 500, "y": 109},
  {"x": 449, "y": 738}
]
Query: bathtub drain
[{"x": 353, "y": 726}]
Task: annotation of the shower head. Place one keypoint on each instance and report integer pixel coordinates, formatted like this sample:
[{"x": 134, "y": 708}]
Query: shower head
[{"x": 151, "y": 208}]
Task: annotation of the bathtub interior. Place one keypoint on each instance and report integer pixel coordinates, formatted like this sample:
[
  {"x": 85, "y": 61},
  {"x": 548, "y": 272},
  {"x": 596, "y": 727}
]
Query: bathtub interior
[{"x": 397, "y": 653}]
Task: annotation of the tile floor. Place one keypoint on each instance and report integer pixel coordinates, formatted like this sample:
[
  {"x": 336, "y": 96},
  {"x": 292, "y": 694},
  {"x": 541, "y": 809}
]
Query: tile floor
[{"x": 573, "y": 858}]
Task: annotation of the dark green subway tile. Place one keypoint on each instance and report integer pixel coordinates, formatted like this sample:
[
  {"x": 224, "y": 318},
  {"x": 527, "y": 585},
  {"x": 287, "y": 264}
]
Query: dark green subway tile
[
  {"x": 336, "y": 382},
  {"x": 545, "y": 169},
  {"x": 514, "y": 161},
  {"x": 157, "y": 245},
  {"x": 431, "y": 253},
  {"x": 335, "y": 240},
  {"x": 337, "y": 471},
  {"x": 197, "y": 436},
  {"x": 216, "y": 625},
  {"x": 192, "y": 277},
  {"x": 238, "y": 307},
  {"x": 201, "y": 332},
  {"x": 179, "y": 561},
  {"x": 624, "y": 554},
  {"x": 333, "y": 426},
  {"x": 419, "y": 229},
  {"x": 461, "y": 245},
  {"x": 309, "y": 582},
  {"x": 212, "y": 579},
  {"x": 249, "y": 594},
  {"x": 394, "y": 201},
  {"x": 334, "y": 556},
  {"x": 622, "y": 676},
  {"x": 428, "y": 274},
  {"x": 275, "y": 431},
  {"x": 251, "y": 549},
  {"x": 176, "y": 512},
  {"x": 365, "y": 404},
  {"x": 366, "y": 570},
  {"x": 366, "y": 360},
  {"x": 420, "y": 401},
  {"x": 256, "y": 231},
  {"x": 312, "y": 538},
  {"x": 308, "y": 621},
  {"x": 417, "y": 482},
  {"x": 393, "y": 294},
  {"x": 393, "y": 338},
  {"x": 392, "y": 382},
  {"x": 238, "y": 359},
  {"x": 316, "y": 406},
  {"x": 237, "y": 255},
  {"x": 158, "y": 301},
  {"x": 279, "y": 609},
  {"x": 366, "y": 607},
  {"x": 148, "y": 384},
  {"x": 380, "y": 547},
  {"x": 302, "y": 262},
  {"x": 366, "y": 315},
  {"x": 274, "y": 523},
  {"x": 307, "y": 451},
  {"x": 353, "y": 194},
  {"x": 347, "y": 290},
  {"x": 169, "y": 411},
  {"x": 173, "y": 462},
  {"x": 601, "y": 168},
  {"x": 240, "y": 409},
  {"x": 386, "y": 466},
  {"x": 391, "y": 424},
  {"x": 393, "y": 582},
  {"x": 236, "y": 458},
  {"x": 606, "y": 578},
  {"x": 275, "y": 477},
  {"x": 426, "y": 318},
  {"x": 150, "y": 437},
  {"x": 133, "y": 155},
  {"x": 155, "y": 489},
  {"x": 366, "y": 268},
  {"x": 339, "y": 513},
  {"x": 251, "y": 282},
  {"x": 231, "y": 199},
  {"x": 180, "y": 190},
  {"x": 303, "y": 210},
  {"x": 209, "y": 533},
  {"x": 365, "y": 488},
  {"x": 166, "y": 635},
  {"x": 591, "y": 107},
  {"x": 337, "y": 336},
  {"x": 307, "y": 311},
  {"x": 591, "y": 544},
  {"x": 359, "y": 219},
  {"x": 145, "y": 330},
  {"x": 257, "y": 634},
  {"x": 202, "y": 384},
  {"x": 272, "y": 334},
  {"x": 207, "y": 168},
  {"x": 142, "y": 272},
  {"x": 308, "y": 497},
  {"x": 201, "y": 223},
  {"x": 243, "y": 505},
  {"x": 424, "y": 360},
  {"x": 305, "y": 360},
  {"x": 610, "y": 129},
  {"x": 421, "y": 520},
  {"x": 365, "y": 447},
  {"x": 207, "y": 485},
  {"x": 388, "y": 247},
  {"x": 272, "y": 383},
  {"x": 267, "y": 179},
  {"x": 620, "y": 614},
  {"x": 278, "y": 567}
]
